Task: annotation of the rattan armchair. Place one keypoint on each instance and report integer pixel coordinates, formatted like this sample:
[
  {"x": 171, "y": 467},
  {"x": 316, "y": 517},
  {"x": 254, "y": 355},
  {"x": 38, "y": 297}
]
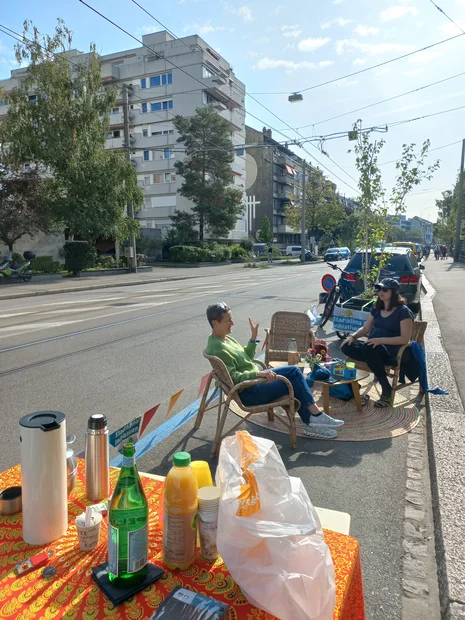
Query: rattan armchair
[
  {"x": 393, "y": 372},
  {"x": 284, "y": 326},
  {"x": 229, "y": 392}
]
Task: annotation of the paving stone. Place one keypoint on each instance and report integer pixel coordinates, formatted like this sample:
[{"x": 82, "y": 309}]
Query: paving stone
[
  {"x": 414, "y": 530},
  {"x": 414, "y": 568},
  {"x": 415, "y": 475},
  {"x": 418, "y": 499},
  {"x": 415, "y": 548},
  {"x": 415, "y": 588},
  {"x": 414, "y": 514},
  {"x": 415, "y": 454},
  {"x": 456, "y": 612},
  {"x": 415, "y": 464},
  {"x": 415, "y": 485}
]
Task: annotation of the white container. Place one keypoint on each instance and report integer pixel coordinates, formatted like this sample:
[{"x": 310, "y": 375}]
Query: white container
[
  {"x": 209, "y": 500},
  {"x": 44, "y": 477}
]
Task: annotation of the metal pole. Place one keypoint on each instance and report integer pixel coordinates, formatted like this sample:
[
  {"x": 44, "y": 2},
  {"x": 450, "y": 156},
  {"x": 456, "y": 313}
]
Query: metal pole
[
  {"x": 303, "y": 232},
  {"x": 458, "y": 228},
  {"x": 132, "y": 238}
]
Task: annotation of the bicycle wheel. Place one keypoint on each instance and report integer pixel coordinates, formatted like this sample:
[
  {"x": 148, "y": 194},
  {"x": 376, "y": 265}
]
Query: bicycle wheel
[{"x": 329, "y": 306}]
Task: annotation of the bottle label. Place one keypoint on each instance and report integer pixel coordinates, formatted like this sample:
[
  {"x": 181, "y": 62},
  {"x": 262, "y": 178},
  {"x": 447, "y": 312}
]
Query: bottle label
[
  {"x": 129, "y": 461},
  {"x": 180, "y": 537},
  {"x": 113, "y": 539},
  {"x": 138, "y": 543}
]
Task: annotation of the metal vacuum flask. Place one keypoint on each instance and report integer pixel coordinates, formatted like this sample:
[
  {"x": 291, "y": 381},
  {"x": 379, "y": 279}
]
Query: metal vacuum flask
[{"x": 97, "y": 458}]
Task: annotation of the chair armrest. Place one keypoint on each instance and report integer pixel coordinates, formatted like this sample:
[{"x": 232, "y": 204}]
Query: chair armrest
[
  {"x": 250, "y": 382},
  {"x": 401, "y": 352},
  {"x": 260, "y": 363}
]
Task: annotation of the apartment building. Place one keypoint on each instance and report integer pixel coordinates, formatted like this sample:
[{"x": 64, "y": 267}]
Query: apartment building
[
  {"x": 273, "y": 180},
  {"x": 167, "y": 76}
]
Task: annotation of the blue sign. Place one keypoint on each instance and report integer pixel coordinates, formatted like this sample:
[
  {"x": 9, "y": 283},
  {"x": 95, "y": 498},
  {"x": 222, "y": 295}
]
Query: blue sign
[
  {"x": 328, "y": 282},
  {"x": 125, "y": 432},
  {"x": 428, "y": 237}
]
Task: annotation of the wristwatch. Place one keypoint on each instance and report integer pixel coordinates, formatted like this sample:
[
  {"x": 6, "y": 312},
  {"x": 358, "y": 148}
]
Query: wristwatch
[{"x": 254, "y": 341}]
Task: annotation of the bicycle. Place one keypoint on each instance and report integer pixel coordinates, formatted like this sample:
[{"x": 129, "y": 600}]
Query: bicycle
[{"x": 342, "y": 291}]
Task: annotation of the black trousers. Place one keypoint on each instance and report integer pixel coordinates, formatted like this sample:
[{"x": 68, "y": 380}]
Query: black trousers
[{"x": 375, "y": 358}]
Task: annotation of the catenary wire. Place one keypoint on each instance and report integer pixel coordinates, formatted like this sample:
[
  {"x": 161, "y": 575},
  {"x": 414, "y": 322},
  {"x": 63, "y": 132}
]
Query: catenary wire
[{"x": 447, "y": 16}]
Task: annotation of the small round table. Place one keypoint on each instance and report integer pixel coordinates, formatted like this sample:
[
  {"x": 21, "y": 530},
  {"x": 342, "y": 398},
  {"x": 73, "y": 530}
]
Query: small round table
[{"x": 325, "y": 385}]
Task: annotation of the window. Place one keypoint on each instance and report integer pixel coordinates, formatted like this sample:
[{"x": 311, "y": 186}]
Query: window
[
  {"x": 168, "y": 132},
  {"x": 115, "y": 111},
  {"x": 143, "y": 83},
  {"x": 154, "y": 81},
  {"x": 146, "y": 180},
  {"x": 157, "y": 133},
  {"x": 146, "y": 156},
  {"x": 27, "y": 166},
  {"x": 161, "y": 105},
  {"x": 116, "y": 133},
  {"x": 170, "y": 177},
  {"x": 155, "y": 107},
  {"x": 206, "y": 73},
  {"x": 167, "y": 153},
  {"x": 33, "y": 98},
  {"x": 167, "y": 78},
  {"x": 145, "y": 132},
  {"x": 158, "y": 178},
  {"x": 144, "y": 108}
]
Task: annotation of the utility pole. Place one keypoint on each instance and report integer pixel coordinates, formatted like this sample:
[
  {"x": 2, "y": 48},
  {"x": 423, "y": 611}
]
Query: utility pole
[
  {"x": 458, "y": 228},
  {"x": 303, "y": 233},
  {"x": 132, "y": 238}
]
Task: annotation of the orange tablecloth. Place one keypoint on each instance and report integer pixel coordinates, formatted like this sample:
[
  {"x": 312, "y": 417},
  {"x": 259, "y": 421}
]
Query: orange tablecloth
[{"x": 72, "y": 594}]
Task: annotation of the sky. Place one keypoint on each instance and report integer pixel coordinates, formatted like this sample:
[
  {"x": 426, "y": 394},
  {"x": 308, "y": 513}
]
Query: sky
[{"x": 277, "y": 48}]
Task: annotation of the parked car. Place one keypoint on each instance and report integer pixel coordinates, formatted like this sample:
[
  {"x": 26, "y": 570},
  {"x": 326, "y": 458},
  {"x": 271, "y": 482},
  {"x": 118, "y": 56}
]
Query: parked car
[
  {"x": 259, "y": 249},
  {"x": 402, "y": 265},
  {"x": 406, "y": 244},
  {"x": 293, "y": 250},
  {"x": 309, "y": 256},
  {"x": 335, "y": 254}
]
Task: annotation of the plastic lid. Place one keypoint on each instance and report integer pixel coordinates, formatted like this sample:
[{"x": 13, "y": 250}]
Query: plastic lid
[
  {"x": 43, "y": 420},
  {"x": 182, "y": 459},
  {"x": 97, "y": 422},
  {"x": 292, "y": 339}
]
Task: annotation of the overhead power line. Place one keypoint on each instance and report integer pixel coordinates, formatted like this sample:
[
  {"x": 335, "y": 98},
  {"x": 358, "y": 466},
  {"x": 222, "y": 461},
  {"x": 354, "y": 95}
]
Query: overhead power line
[
  {"x": 381, "y": 64},
  {"x": 447, "y": 16}
]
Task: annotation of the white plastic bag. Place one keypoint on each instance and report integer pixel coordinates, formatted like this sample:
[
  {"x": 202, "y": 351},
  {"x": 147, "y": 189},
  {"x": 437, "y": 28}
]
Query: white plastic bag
[
  {"x": 269, "y": 534},
  {"x": 315, "y": 316}
]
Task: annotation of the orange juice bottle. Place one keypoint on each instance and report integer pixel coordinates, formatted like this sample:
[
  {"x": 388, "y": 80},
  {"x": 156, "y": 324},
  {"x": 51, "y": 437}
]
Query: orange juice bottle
[{"x": 180, "y": 514}]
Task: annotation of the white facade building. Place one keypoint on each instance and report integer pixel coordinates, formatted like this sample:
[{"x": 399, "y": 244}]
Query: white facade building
[{"x": 177, "y": 77}]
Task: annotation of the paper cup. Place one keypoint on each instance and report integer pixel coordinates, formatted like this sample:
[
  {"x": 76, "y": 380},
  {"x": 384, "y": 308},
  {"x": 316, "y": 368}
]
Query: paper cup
[{"x": 88, "y": 536}]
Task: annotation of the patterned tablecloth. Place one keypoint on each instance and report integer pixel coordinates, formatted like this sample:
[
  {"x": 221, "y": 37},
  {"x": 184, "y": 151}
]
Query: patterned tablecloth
[{"x": 72, "y": 594}]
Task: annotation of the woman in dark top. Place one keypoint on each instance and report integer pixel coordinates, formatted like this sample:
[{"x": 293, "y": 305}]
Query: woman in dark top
[{"x": 388, "y": 328}]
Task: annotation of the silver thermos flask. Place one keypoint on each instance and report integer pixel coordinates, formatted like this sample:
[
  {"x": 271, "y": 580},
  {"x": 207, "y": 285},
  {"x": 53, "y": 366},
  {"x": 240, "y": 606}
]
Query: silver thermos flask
[{"x": 97, "y": 458}]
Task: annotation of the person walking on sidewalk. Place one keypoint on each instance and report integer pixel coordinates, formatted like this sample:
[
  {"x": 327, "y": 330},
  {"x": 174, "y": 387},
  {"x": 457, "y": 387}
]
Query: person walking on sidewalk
[
  {"x": 388, "y": 328},
  {"x": 239, "y": 362},
  {"x": 270, "y": 254}
]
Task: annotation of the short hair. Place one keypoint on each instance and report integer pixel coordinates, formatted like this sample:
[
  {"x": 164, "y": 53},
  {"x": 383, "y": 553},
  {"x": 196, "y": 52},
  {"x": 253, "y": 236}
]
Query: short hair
[{"x": 215, "y": 312}]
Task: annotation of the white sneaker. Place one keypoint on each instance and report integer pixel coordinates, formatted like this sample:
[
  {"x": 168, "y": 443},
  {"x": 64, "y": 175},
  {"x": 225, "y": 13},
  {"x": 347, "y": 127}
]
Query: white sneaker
[
  {"x": 319, "y": 432},
  {"x": 325, "y": 420}
]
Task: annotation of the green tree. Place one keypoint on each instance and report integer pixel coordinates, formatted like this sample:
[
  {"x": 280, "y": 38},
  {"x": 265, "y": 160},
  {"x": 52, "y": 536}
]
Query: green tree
[
  {"x": 207, "y": 171},
  {"x": 58, "y": 118},
  {"x": 324, "y": 212},
  {"x": 184, "y": 227},
  {"x": 265, "y": 233},
  {"x": 444, "y": 229},
  {"x": 375, "y": 205},
  {"x": 24, "y": 208}
]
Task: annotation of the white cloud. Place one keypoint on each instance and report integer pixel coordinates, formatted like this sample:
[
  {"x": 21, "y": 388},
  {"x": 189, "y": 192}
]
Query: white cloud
[
  {"x": 278, "y": 9},
  {"x": 364, "y": 31},
  {"x": 291, "y": 31},
  {"x": 269, "y": 64},
  {"x": 339, "y": 21},
  {"x": 262, "y": 41},
  {"x": 254, "y": 54},
  {"x": 246, "y": 13},
  {"x": 289, "y": 46},
  {"x": 310, "y": 45},
  {"x": 395, "y": 12},
  {"x": 205, "y": 28},
  {"x": 358, "y": 62},
  {"x": 370, "y": 49},
  {"x": 450, "y": 30}
]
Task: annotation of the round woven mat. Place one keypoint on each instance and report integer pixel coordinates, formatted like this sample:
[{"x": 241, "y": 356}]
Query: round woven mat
[{"x": 366, "y": 425}]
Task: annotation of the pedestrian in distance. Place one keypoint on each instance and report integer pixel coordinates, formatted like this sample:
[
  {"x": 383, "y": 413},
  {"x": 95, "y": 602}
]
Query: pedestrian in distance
[
  {"x": 239, "y": 362},
  {"x": 388, "y": 328},
  {"x": 270, "y": 254},
  {"x": 437, "y": 251}
]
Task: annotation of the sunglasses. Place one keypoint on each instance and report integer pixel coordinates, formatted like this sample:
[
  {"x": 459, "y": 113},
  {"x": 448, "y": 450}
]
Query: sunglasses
[{"x": 384, "y": 289}]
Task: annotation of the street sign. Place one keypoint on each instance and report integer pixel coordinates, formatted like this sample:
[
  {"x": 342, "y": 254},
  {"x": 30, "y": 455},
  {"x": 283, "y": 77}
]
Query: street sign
[
  {"x": 328, "y": 282},
  {"x": 125, "y": 432},
  {"x": 428, "y": 237}
]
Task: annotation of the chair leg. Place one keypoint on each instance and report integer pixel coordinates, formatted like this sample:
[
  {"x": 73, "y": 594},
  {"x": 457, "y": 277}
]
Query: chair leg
[
  {"x": 199, "y": 417},
  {"x": 220, "y": 427},
  {"x": 292, "y": 427},
  {"x": 395, "y": 381},
  {"x": 270, "y": 413}
]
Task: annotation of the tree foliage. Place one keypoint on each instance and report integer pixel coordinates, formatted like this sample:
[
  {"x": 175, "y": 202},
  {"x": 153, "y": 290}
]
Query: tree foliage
[
  {"x": 324, "y": 212},
  {"x": 207, "y": 172},
  {"x": 58, "y": 118},
  {"x": 444, "y": 229},
  {"x": 265, "y": 233},
  {"x": 24, "y": 205}
]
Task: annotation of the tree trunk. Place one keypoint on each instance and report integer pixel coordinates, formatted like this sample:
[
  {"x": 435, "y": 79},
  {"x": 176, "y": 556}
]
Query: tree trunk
[
  {"x": 10, "y": 246},
  {"x": 201, "y": 215}
]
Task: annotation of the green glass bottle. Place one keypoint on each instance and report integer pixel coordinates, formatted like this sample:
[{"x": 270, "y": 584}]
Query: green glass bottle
[{"x": 128, "y": 525}]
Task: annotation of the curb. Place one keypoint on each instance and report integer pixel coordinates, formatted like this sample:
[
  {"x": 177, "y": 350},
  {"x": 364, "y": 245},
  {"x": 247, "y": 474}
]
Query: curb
[
  {"x": 446, "y": 437},
  {"x": 92, "y": 287}
]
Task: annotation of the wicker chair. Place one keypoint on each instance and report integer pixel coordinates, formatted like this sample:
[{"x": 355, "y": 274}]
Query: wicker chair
[
  {"x": 228, "y": 392},
  {"x": 418, "y": 333},
  {"x": 284, "y": 326}
]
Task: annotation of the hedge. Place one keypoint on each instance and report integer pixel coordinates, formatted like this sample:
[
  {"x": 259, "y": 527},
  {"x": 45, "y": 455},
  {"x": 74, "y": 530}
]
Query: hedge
[
  {"x": 191, "y": 254},
  {"x": 45, "y": 264}
]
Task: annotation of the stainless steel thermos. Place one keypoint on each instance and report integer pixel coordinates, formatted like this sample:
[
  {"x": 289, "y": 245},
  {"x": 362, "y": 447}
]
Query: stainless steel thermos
[{"x": 97, "y": 458}]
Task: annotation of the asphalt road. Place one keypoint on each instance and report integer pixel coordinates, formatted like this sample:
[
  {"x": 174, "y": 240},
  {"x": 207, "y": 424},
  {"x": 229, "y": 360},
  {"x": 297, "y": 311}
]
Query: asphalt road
[{"x": 121, "y": 351}]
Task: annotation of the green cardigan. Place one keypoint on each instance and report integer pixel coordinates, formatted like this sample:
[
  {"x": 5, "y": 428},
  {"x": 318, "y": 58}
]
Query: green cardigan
[{"x": 238, "y": 359}]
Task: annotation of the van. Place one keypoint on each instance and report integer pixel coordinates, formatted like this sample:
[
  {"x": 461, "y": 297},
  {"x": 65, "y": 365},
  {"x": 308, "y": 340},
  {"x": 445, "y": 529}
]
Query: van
[
  {"x": 259, "y": 249},
  {"x": 293, "y": 250}
]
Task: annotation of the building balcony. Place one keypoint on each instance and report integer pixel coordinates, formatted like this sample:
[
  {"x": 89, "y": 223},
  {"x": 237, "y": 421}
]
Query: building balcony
[
  {"x": 109, "y": 72},
  {"x": 283, "y": 194},
  {"x": 156, "y": 165},
  {"x": 284, "y": 228},
  {"x": 286, "y": 179},
  {"x": 114, "y": 143},
  {"x": 285, "y": 160}
]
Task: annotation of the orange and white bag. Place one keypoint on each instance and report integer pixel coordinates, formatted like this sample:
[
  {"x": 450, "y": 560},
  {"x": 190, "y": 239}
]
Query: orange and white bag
[{"x": 269, "y": 534}]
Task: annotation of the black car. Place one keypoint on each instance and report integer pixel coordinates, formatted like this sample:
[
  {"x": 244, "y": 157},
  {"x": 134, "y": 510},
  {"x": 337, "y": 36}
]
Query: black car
[
  {"x": 309, "y": 256},
  {"x": 402, "y": 265}
]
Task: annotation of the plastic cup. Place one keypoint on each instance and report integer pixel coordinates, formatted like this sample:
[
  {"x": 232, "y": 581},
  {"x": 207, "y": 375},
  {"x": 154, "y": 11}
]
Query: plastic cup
[
  {"x": 88, "y": 537},
  {"x": 209, "y": 499},
  {"x": 202, "y": 473}
]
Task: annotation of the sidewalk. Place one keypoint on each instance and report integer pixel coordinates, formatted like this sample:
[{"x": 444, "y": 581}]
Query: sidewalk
[
  {"x": 444, "y": 309},
  {"x": 68, "y": 285}
]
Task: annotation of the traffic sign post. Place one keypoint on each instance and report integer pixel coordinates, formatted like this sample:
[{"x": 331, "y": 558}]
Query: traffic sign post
[{"x": 328, "y": 282}]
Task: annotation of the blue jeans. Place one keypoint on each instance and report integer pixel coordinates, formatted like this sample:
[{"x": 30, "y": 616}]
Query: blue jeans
[{"x": 268, "y": 392}]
